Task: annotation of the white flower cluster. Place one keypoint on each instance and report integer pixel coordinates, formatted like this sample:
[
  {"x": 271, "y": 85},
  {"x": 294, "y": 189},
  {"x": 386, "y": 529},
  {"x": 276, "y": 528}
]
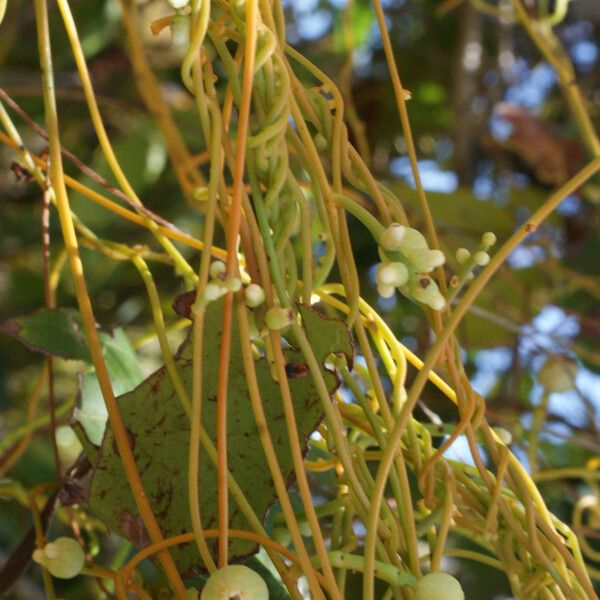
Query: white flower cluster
[
  {"x": 219, "y": 285},
  {"x": 412, "y": 260}
]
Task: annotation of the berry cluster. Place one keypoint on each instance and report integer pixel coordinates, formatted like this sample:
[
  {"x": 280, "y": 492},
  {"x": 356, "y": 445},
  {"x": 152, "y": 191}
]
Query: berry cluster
[{"x": 220, "y": 284}]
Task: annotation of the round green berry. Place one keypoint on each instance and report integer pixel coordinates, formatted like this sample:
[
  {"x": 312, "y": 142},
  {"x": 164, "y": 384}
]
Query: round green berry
[
  {"x": 235, "y": 582},
  {"x": 558, "y": 374},
  {"x": 439, "y": 586},
  {"x": 255, "y": 295},
  {"x": 63, "y": 557}
]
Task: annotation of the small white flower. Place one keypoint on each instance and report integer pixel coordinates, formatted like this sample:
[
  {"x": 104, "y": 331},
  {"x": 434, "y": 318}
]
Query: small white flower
[
  {"x": 255, "y": 295},
  {"x": 392, "y": 273},
  {"x": 392, "y": 237}
]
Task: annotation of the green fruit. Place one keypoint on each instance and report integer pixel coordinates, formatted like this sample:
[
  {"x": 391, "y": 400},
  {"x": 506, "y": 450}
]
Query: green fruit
[
  {"x": 235, "y": 582},
  {"x": 63, "y": 557},
  {"x": 558, "y": 374},
  {"x": 439, "y": 586}
]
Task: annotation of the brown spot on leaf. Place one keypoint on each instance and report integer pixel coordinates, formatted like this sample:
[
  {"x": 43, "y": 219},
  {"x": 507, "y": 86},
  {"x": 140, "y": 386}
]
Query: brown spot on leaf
[
  {"x": 133, "y": 528},
  {"x": 296, "y": 370}
]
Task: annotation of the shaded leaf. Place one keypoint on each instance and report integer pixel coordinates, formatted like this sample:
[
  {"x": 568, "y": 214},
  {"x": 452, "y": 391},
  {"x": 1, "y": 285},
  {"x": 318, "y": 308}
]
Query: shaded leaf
[
  {"x": 54, "y": 332},
  {"x": 159, "y": 433}
]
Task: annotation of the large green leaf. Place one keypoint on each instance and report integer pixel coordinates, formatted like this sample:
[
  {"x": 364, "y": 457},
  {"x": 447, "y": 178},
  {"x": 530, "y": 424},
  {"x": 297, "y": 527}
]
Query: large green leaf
[
  {"x": 54, "y": 332},
  {"x": 159, "y": 432}
]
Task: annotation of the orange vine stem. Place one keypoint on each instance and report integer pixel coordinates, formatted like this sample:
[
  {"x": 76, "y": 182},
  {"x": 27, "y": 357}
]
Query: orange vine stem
[
  {"x": 83, "y": 299},
  {"x": 235, "y": 217},
  {"x": 183, "y": 538}
]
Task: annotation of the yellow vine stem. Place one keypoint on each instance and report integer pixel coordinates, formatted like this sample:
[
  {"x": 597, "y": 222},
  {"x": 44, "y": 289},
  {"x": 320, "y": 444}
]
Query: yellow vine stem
[
  {"x": 432, "y": 356},
  {"x": 214, "y": 141},
  {"x": 550, "y": 46},
  {"x": 83, "y": 299},
  {"x": 182, "y": 265},
  {"x": 232, "y": 270},
  {"x": 159, "y": 326},
  {"x": 325, "y": 291},
  {"x": 101, "y": 200},
  {"x": 400, "y": 94}
]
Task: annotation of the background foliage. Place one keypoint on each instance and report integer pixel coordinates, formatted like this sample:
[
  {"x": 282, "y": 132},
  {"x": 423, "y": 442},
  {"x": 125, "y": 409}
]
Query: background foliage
[{"x": 493, "y": 137}]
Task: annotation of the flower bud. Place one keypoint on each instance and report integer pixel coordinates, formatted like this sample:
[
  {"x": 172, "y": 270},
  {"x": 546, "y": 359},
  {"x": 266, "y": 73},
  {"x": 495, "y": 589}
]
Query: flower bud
[
  {"x": 488, "y": 239},
  {"x": 213, "y": 291},
  {"x": 255, "y": 295},
  {"x": 481, "y": 258},
  {"x": 177, "y": 4},
  {"x": 424, "y": 261},
  {"x": 462, "y": 256},
  {"x": 392, "y": 273},
  {"x": 386, "y": 291},
  {"x": 216, "y": 268},
  {"x": 392, "y": 237},
  {"x": 413, "y": 240},
  {"x": 426, "y": 291},
  {"x": 279, "y": 317}
]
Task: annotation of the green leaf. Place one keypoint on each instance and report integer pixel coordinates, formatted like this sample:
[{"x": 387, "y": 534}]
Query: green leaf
[
  {"x": 54, "y": 332},
  {"x": 159, "y": 432},
  {"x": 125, "y": 374}
]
